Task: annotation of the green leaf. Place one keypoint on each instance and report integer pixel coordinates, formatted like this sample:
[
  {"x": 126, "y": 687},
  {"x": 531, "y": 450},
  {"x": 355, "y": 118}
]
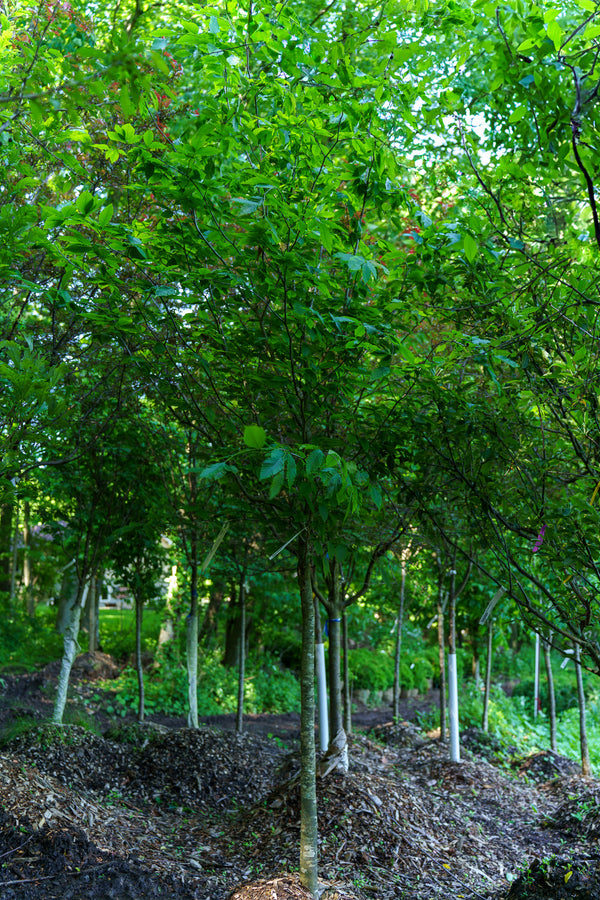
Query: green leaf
[
  {"x": 273, "y": 464},
  {"x": 214, "y": 25},
  {"x": 276, "y": 485},
  {"x": 555, "y": 33},
  {"x": 105, "y": 215},
  {"x": 291, "y": 469},
  {"x": 519, "y": 113},
  {"x": 85, "y": 202},
  {"x": 471, "y": 247},
  {"x": 315, "y": 461},
  {"x": 376, "y": 495},
  {"x": 215, "y": 471},
  {"x": 255, "y": 437}
]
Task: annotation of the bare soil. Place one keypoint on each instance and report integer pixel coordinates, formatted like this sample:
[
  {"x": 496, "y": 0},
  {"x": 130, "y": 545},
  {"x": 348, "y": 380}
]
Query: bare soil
[{"x": 164, "y": 811}]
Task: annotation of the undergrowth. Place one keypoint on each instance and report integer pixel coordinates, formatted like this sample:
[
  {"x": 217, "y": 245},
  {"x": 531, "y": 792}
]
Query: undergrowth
[{"x": 267, "y": 687}]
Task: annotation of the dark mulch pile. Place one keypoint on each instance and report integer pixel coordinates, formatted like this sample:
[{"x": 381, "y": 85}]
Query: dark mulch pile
[
  {"x": 545, "y": 765},
  {"x": 62, "y": 863},
  {"x": 151, "y": 812},
  {"x": 182, "y": 768}
]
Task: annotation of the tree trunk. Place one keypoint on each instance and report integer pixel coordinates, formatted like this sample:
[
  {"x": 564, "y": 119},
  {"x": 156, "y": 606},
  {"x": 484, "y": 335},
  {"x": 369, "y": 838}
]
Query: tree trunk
[
  {"x": 14, "y": 561},
  {"x": 139, "y": 613},
  {"x": 321, "y": 679},
  {"x": 26, "y": 582},
  {"x": 192, "y": 640},
  {"x": 586, "y": 768},
  {"x": 6, "y": 513},
  {"x": 337, "y": 732},
  {"x": 239, "y": 719},
  {"x": 536, "y": 678},
  {"x": 67, "y": 588},
  {"x": 90, "y": 615},
  {"x": 399, "y": 622},
  {"x": 208, "y": 629},
  {"x": 308, "y": 786},
  {"x": 347, "y": 698},
  {"x": 70, "y": 645},
  {"x": 488, "y": 677},
  {"x": 442, "y": 657},
  {"x": 551, "y": 695},
  {"x": 452, "y": 671}
]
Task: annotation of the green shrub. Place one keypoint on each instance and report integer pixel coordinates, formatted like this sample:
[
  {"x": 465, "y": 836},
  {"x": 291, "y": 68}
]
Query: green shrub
[
  {"x": 28, "y": 643},
  {"x": 267, "y": 687},
  {"x": 370, "y": 669}
]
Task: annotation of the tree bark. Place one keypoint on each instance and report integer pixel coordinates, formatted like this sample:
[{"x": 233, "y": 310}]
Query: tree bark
[
  {"x": 192, "y": 638},
  {"x": 321, "y": 679},
  {"x": 208, "y": 629},
  {"x": 536, "y": 678},
  {"x": 399, "y": 622},
  {"x": 337, "y": 731},
  {"x": 551, "y": 695},
  {"x": 239, "y": 719},
  {"x": 488, "y": 677},
  {"x": 6, "y": 513},
  {"x": 65, "y": 596},
  {"x": 90, "y": 614},
  {"x": 452, "y": 670},
  {"x": 14, "y": 561},
  {"x": 29, "y": 602},
  {"x": 441, "y": 655},
  {"x": 586, "y": 768},
  {"x": 70, "y": 645},
  {"x": 347, "y": 698},
  {"x": 139, "y": 613},
  {"x": 308, "y": 787}
]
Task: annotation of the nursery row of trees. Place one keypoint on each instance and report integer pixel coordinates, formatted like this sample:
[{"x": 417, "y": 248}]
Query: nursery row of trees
[{"x": 313, "y": 285}]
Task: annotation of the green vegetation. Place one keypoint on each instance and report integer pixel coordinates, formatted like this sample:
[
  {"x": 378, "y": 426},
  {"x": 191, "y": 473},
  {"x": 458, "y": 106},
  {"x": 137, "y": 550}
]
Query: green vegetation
[{"x": 299, "y": 303}]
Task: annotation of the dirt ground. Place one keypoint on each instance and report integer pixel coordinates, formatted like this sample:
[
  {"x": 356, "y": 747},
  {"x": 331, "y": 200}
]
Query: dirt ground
[{"x": 169, "y": 812}]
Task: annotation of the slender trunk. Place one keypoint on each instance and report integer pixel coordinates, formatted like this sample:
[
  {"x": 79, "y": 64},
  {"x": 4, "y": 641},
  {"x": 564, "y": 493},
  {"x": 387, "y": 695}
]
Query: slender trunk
[
  {"x": 139, "y": 612},
  {"x": 14, "y": 562},
  {"x": 442, "y": 657},
  {"x": 586, "y": 768},
  {"x": 29, "y": 603},
  {"x": 321, "y": 679},
  {"x": 208, "y": 629},
  {"x": 399, "y": 622},
  {"x": 239, "y": 719},
  {"x": 90, "y": 613},
  {"x": 233, "y": 631},
  {"x": 488, "y": 677},
  {"x": 536, "y": 678},
  {"x": 452, "y": 671},
  {"x": 308, "y": 785},
  {"x": 6, "y": 511},
  {"x": 337, "y": 735},
  {"x": 551, "y": 695},
  {"x": 68, "y": 587},
  {"x": 347, "y": 698},
  {"x": 70, "y": 645},
  {"x": 192, "y": 639}
]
